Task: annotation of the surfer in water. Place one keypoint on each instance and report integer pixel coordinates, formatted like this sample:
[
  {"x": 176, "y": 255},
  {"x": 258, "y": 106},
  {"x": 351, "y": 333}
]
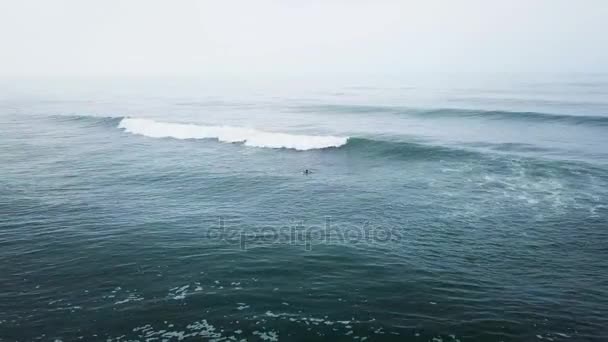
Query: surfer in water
[{"x": 307, "y": 172}]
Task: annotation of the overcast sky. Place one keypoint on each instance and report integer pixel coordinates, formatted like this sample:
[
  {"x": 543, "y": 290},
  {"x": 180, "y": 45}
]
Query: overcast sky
[{"x": 187, "y": 37}]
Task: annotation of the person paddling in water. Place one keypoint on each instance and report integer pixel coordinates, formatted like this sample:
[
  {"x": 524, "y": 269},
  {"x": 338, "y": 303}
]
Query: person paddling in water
[{"x": 307, "y": 172}]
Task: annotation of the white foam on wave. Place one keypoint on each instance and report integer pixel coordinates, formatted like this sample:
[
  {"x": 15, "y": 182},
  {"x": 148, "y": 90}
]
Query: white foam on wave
[{"x": 229, "y": 134}]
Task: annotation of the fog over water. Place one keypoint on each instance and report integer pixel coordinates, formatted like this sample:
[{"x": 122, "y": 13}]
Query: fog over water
[{"x": 152, "y": 37}]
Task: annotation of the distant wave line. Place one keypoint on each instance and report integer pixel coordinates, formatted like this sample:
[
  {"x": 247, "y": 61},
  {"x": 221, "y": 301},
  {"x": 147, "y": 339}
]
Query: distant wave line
[{"x": 459, "y": 113}]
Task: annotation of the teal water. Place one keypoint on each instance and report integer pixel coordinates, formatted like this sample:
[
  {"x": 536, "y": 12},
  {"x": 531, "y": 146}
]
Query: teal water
[{"x": 180, "y": 211}]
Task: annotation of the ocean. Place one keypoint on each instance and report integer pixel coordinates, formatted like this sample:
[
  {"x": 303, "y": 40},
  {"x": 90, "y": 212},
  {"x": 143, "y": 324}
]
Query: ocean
[{"x": 444, "y": 208}]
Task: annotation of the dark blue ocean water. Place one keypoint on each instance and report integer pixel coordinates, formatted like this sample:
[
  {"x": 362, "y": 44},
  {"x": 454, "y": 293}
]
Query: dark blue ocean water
[{"x": 177, "y": 209}]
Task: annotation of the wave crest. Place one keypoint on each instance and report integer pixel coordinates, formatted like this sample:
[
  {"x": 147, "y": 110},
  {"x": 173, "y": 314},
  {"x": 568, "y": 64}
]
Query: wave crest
[{"x": 229, "y": 134}]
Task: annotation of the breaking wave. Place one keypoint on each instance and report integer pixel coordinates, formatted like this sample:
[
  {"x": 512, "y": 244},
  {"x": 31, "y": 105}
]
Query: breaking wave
[
  {"x": 366, "y": 146},
  {"x": 229, "y": 134}
]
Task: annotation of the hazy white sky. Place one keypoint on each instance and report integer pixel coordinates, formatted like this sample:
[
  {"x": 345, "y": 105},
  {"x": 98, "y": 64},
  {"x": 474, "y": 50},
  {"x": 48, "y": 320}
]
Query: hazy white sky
[{"x": 188, "y": 37}]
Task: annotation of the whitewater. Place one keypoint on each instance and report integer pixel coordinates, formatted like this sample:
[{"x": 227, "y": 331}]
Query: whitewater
[{"x": 229, "y": 134}]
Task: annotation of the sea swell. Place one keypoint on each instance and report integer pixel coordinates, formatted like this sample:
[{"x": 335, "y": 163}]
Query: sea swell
[
  {"x": 594, "y": 120},
  {"x": 403, "y": 149}
]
